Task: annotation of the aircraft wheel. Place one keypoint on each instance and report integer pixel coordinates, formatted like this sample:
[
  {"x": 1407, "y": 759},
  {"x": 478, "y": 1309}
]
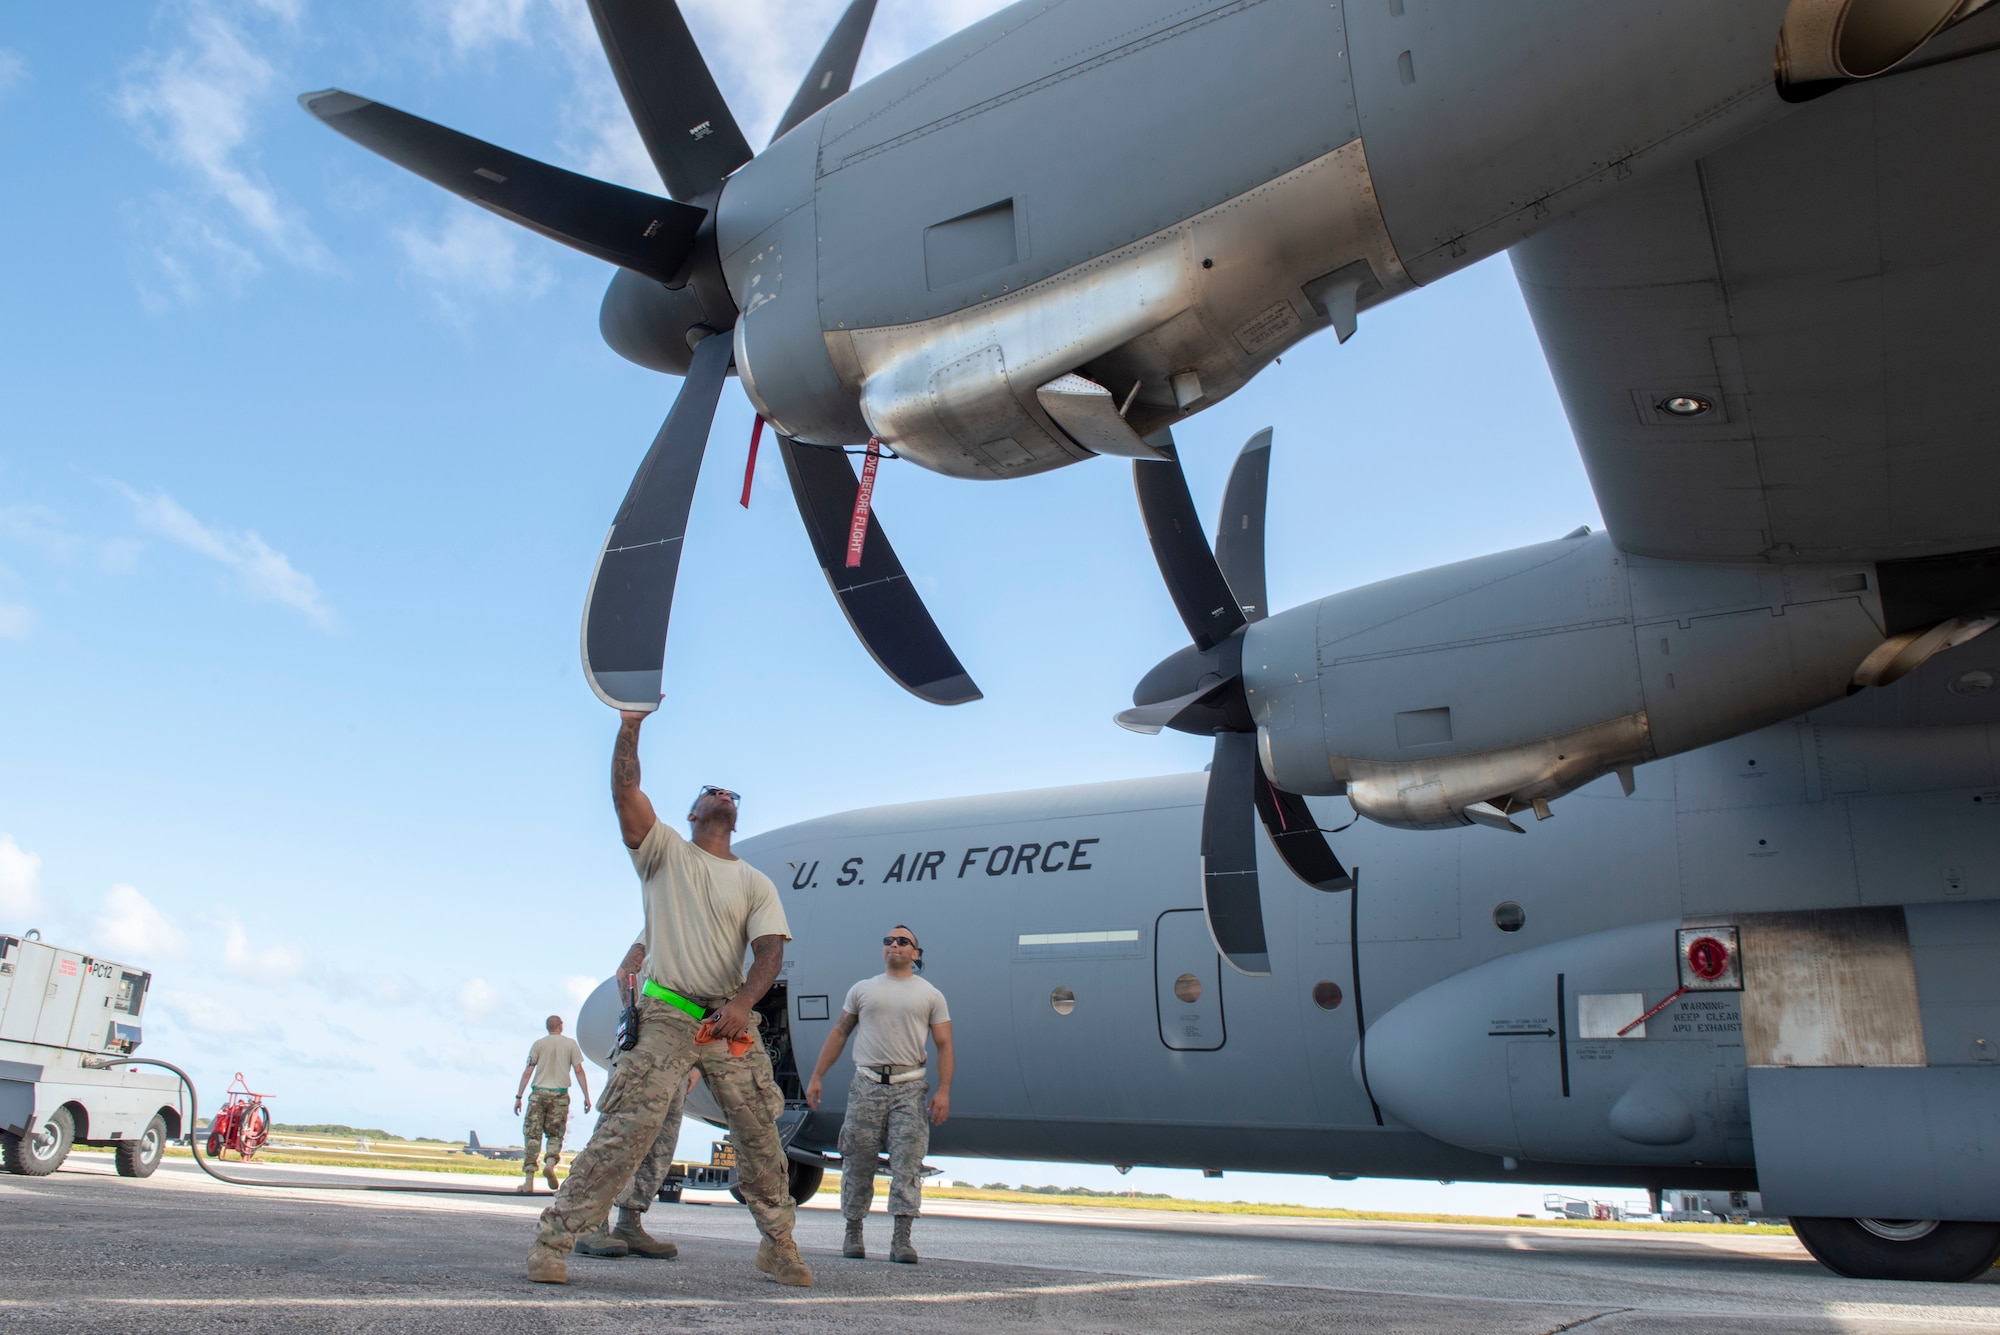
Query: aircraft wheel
[
  {"x": 42, "y": 1153},
  {"x": 804, "y": 1180},
  {"x": 138, "y": 1158},
  {"x": 1926, "y": 1249}
]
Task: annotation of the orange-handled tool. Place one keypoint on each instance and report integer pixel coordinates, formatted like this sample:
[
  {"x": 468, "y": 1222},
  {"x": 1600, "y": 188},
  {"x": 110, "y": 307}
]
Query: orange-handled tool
[{"x": 706, "y": 1035}]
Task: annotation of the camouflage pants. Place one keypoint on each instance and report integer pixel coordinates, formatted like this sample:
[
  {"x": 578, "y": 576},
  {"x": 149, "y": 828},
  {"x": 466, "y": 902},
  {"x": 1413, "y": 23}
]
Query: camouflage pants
[
  {"x": 547, "y": 1116},
  {"x": 879, "y": 1114},
  {"x": 650, "y": 1080},
  {"x": 644, "y": 1188}
]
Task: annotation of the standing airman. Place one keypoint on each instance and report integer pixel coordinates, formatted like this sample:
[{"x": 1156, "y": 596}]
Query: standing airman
[{"x": 889, "y": 1100}]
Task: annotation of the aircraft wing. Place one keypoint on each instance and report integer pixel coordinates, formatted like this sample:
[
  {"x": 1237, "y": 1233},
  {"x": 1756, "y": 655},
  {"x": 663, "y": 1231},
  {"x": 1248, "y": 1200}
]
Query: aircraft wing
[{"x": 1831, "y": 288}]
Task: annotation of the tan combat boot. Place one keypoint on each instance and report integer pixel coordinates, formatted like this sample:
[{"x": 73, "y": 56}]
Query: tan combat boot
[
  {"x": 899, "y": 1246},
  {"x": 631, "y": 1231},
  {"x": 546, "y": 1265},
  {"x": 602, "y": 1243},
  {"x": 549, "y": 1174},
  {"x": 782, "y": 1262},
  {"x": 527, "y": 1187}
]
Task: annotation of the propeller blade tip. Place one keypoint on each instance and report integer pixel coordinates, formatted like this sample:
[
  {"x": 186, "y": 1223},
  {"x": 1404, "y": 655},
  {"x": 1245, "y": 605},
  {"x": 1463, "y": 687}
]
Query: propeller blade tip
[
  {"x": 957, "y": 690},
  {"x": 330, "y": 102}
]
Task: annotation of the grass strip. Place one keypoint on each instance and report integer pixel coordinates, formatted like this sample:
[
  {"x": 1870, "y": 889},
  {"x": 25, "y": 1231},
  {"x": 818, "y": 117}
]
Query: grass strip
[{"x": 1316, "y": 1212}]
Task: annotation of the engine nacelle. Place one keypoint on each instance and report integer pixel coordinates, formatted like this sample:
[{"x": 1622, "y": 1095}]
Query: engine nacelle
[
  {"x": 1494, "y": 685},
  {"x": 1032, "y": 198}
]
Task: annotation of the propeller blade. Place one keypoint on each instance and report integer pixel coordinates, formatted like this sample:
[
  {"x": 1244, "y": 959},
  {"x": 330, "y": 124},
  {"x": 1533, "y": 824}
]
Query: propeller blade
[
  {"x": 882, "y": 605},
  {"x": 629, "y": 228},
  {"x": 1206, "y": 710},
  {"x": 632, "y": 589},
  {"x": 1239, "y": 534},
  {"x": 833, "y": 73},
  {"x": 1149, "y": 719},
  {"x": 1296, "y": 835},
  {"x": 1201, "y": 595},
  {"x": 693, "y": 140},
  {"x": 1229, "y": 855}
]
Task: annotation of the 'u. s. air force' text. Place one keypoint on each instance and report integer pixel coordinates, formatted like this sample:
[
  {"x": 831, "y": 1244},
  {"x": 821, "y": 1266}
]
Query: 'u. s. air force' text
[{"x": 1062, "y": 855}]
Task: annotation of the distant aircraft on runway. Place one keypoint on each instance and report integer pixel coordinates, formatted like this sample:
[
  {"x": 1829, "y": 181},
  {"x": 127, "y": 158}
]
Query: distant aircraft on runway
[{"x": 472, "y": 1146}]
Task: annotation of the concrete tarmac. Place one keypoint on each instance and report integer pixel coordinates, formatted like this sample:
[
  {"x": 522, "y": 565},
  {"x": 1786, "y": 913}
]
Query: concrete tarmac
[{"x": 85, "y": 1250}]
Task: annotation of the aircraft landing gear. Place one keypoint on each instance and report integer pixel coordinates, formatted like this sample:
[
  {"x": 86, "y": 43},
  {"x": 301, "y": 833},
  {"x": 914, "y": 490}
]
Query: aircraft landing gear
[
  {"x": 803, "y": 1180},
  {"x": 1929, "y": 1249}
]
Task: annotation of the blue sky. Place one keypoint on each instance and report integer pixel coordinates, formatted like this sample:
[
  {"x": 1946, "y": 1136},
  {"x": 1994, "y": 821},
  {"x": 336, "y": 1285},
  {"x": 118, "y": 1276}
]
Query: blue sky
[{"x": 303, "y": 466}]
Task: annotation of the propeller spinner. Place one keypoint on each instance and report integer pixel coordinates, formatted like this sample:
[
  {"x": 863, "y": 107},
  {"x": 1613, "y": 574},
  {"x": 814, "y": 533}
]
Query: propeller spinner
[
  {"x": 695, "y": 143},
  {"x": 1200, "y": 690}
]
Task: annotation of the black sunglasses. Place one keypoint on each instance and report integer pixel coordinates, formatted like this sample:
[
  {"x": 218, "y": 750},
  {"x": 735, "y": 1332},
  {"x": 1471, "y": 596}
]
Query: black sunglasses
[
  {"x": 897, "y": 941},
  {"x": 708, "y": 788}
]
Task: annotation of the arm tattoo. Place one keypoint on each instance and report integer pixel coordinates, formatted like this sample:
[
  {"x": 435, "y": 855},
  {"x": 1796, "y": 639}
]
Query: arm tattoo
[
  {"x": 847, "y": 1022},
  {"x": 769, "y": 952},
  {"x": 625, "y": 758}
]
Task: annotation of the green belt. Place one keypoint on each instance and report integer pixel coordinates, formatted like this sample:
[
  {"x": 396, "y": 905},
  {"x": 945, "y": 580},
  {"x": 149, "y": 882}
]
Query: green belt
[
  {"x": 674, "y": 999},
  {"x": 550, "y": 1089}
]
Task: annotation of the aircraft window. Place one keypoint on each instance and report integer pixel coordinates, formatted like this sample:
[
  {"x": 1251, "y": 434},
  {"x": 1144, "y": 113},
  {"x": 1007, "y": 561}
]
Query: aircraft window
[
  {"x": 1187, "y": 987},
  {"x": 1509, "y": 916},
  {"x": 1062, "y": 1000},
  {"x": 1326, "y": 995}
]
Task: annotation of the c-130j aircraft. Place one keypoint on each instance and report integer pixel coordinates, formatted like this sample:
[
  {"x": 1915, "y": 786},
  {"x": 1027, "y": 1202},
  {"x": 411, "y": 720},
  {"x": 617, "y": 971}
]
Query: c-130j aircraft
[
  {"x": 1755, "y": 240},
  {"x": 1768, "y": 963}
]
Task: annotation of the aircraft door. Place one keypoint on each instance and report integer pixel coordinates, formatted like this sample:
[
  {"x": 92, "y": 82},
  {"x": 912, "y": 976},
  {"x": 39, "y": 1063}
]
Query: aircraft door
[{"x": 1187, "y": 982}]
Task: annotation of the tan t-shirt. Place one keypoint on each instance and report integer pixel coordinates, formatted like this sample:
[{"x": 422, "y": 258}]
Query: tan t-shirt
[
  {"x": 702, "y": 913},
  {"x": 896, "y": 1015},
  {"x": 552, "y": 1056}
]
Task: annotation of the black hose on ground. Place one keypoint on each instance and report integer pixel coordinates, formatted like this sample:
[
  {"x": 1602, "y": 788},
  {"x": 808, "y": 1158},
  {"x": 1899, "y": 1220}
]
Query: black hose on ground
[{"x": 204, "y": 1165}]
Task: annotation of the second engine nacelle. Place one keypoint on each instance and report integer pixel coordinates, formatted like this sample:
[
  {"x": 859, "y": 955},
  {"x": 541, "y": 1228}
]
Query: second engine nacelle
[{"x": 1467, "y": 692}]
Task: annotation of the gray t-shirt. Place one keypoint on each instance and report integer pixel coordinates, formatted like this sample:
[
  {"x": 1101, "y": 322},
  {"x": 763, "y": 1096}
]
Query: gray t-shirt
[{"x": 896, "y": 1015}]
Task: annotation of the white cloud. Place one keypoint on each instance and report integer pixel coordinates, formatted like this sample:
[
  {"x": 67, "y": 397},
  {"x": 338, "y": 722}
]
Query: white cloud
[
  {"x": 20, "y": 883},
  {"x": 271, "y": 964},
  {"x": 477, "y": 999},
  {"x": 470, "y": 258},
  {"x": 263, "y": 571},
  {"x": 193, "y": 254},
  {"x": 131, "y": 929},
  {"x": 217, "y": 1016},
  {"x": 13, "y": 71},
  {"x": 196, "y": 106},
  {"x": 42, "y": 530},
  {"x": 17, "y": 621},
  {"x": 476, "y": 23},
  {"x": 578, "y": 988}
]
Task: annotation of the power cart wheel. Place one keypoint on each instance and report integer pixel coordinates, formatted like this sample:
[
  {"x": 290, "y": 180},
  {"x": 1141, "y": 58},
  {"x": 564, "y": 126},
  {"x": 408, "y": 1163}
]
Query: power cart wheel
[
  {"x": 138, "y": 1158},
  {"x": 1923, "y": 1249},
  {"x": 42, "y": 1153}
]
